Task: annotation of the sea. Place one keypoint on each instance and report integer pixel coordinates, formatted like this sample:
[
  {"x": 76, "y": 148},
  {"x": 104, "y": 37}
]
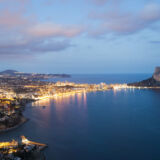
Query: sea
[{"x": 106, "y": 125}]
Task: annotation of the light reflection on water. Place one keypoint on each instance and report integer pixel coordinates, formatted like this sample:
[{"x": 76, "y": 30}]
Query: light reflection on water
[
  {"x": 44, "y": 111},
  {"x": 61, "y": 101},
  {"x": 60, "y": 104},
  {"x": 110, "y": 125}
]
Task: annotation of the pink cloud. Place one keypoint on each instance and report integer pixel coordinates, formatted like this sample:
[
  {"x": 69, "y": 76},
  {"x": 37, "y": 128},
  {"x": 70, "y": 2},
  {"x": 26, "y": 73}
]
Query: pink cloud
[
  {"x": 125, "y": 23},
  {"x": 11, "y": 19},
  {"x": 51, "y": 29},
  {"x": 22, "y": 35}
]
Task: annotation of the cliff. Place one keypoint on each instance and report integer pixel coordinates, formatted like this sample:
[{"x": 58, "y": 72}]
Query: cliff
[
  {"x": 154, "y": 81},
  {"x": 156, "y": 74}
]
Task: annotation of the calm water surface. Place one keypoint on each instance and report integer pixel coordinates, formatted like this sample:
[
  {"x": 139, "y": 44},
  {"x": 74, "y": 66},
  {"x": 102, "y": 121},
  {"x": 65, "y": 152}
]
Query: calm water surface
[{"x": 121, "y": 125}]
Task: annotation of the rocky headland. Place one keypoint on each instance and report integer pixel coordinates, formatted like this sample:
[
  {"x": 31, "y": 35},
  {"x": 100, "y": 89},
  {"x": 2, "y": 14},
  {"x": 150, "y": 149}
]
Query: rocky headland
[{"x": 154, "y": 81}]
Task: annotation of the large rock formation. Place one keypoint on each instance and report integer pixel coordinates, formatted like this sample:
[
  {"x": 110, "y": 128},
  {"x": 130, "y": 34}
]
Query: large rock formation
[
  {"x": 156, "y": 74},
  {"x": 154, "y": 81}
]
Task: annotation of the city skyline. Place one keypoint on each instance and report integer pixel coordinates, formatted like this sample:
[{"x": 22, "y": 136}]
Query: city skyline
[{"x": 83, "y": 36}]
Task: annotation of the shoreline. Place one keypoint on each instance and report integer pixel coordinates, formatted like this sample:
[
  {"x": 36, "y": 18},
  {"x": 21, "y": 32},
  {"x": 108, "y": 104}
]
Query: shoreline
[
  {"x": 23, "y": 120},
  {"x": 142, "y": 87},
  {"x": 126, "y": 86}
]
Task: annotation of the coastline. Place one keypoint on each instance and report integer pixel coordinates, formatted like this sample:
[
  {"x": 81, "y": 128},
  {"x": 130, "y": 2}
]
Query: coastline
[{"x": 23, "y": 120}]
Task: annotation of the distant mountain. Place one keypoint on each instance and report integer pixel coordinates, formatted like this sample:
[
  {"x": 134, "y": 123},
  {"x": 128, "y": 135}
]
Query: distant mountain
[
  {"x": 154, "y": 81},
  {"x": 8, "y": 72},
  {"x": 14, "y": 73}
]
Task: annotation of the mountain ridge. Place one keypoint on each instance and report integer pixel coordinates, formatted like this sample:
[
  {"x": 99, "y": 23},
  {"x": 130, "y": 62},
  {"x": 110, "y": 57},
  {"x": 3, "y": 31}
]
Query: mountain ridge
[{"x": 8, "y": 71}]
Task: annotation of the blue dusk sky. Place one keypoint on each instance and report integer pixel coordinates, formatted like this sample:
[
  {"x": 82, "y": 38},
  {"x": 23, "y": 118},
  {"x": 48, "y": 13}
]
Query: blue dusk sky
[{"x": 80, "y": 36}]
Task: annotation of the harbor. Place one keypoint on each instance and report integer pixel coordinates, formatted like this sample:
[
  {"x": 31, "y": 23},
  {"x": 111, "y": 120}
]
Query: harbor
[{"x": 24, "y": 149}]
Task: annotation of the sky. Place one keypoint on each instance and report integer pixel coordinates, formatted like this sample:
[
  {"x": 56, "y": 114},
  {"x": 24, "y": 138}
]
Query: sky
[{"x": 80, "y": 36}]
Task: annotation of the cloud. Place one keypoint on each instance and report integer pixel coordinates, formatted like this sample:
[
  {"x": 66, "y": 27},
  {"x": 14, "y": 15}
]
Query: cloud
[
  {"x": 155, "y": 42},
  {"x": 10, "y": 19},
  {"x": 120, "y": 22},
  {"x": 99, "y": 2},
  {"x": 23, "y": 35},
  {"x": 50, "y": 29},
  {"x": 36, "y": 46}
]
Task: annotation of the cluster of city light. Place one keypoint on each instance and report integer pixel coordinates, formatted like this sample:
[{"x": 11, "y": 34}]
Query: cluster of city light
[
  {"x": 27, "y": 142},
  {"x": 119, "y": 86},
  {"x": 13, "y": 145},
  {"x": 61, "y": 89},
  {"x": 125, "y": 86}
]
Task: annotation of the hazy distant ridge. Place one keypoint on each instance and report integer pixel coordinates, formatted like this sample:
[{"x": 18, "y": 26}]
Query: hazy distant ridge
[
  {"x": 36, "y": 75},
  {"x": 9, "y": 71}
]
